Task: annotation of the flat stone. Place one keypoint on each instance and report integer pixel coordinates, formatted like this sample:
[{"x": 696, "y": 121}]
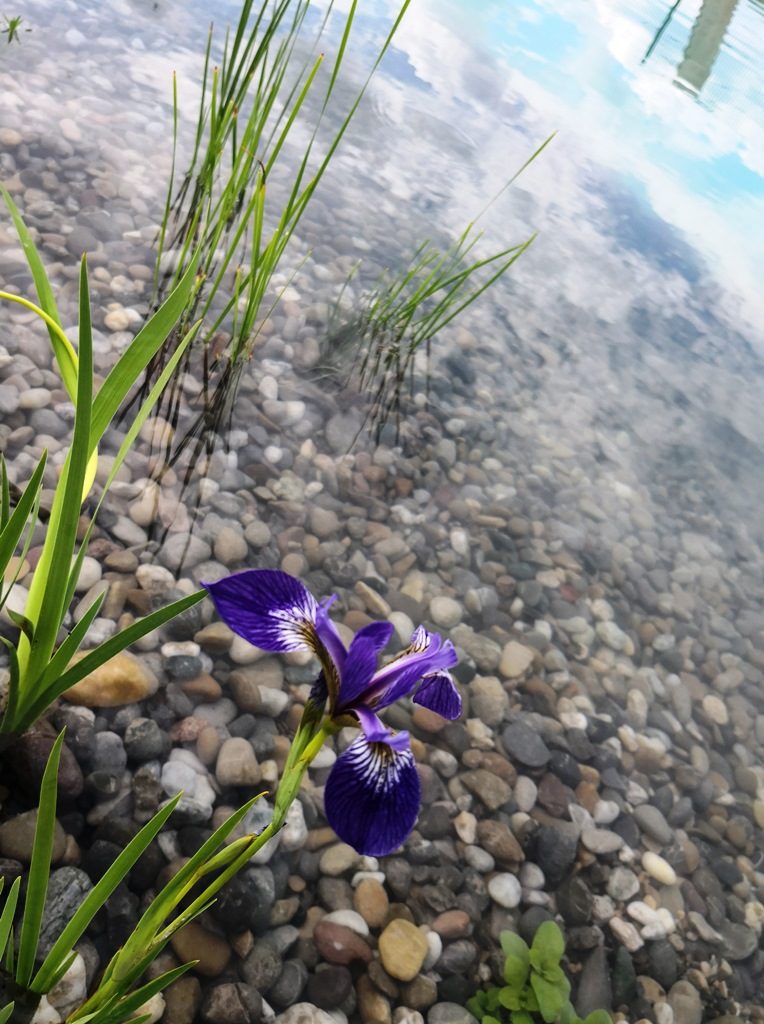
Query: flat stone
[
  {"x": 651, "y": 821},
  {"x": 340, "y": 945},
  {"x": 402, "y": 948},
  {"x": 123, "y": 679},
  {"x": 524, "y": 745},
  {"x": 236, "y": 764},
  {"x": 516, "y": 658}
]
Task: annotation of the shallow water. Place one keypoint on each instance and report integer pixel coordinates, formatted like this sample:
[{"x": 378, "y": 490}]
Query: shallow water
[{"x": 585, "y": 478}]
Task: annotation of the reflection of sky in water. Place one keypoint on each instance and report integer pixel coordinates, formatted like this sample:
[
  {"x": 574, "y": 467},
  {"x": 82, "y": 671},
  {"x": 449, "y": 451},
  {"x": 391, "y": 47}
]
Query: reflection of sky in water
[{"x": 697, "y": 162}]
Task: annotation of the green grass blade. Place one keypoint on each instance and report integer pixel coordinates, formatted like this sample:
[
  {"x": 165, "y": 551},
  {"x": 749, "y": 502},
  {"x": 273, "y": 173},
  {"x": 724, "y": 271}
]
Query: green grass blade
[
  {"x": 5, "y": 494},
  {"x": 39, "y": 869},
  {"x": 14, "y": 526},
  {"x": 47, "y": 620},
  {"x": 98, "y": 896},
  {"x": 5, "y": 1013},
  {"x": 125, "y": 1008},
  {"x": 69, "y": 647},
  {"x": 67, "y": 362},
  {"x": 6, "y": 918},
  {"x": 136, "y": 357}
]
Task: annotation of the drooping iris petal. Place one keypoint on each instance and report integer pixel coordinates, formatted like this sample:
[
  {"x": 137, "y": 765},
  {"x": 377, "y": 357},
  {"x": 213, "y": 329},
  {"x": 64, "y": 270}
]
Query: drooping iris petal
[
  {"x": 427, "y": 653},
  {"x": 372, "y": 795},
  {"x": 270, "y": 609},
  {"x": 359, "y": 668},
  {"x": 360, "y": 664},
  {"x": 439, "y": 694},
  {"x": 328, "y": 634}
]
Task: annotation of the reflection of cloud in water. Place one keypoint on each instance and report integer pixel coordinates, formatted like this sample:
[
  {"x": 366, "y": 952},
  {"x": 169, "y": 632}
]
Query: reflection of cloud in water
[{"x": 697, "y": 170}]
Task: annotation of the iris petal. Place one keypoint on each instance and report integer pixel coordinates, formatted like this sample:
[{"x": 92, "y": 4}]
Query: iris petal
[
  {"x": 329, "y": 635},
  {"x": 359, "y": 668},
  {"x": 270, "y": 609},
  {"x": 439, "y": 694},
  {"x": 427, "y": 653},
  {"x": 372, "y": 795}
]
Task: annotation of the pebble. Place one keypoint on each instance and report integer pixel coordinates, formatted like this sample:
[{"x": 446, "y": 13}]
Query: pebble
[
  {"x": 123, "y": 679},
  {"x": 658, "y": 868},
  {"x": 236, "y": 764},
  {"x": 402, "y": 948},
  {"x": 516, "y": 659},
  {"x": 505, "y": 890},
  {"x": 445, "y": 612}
]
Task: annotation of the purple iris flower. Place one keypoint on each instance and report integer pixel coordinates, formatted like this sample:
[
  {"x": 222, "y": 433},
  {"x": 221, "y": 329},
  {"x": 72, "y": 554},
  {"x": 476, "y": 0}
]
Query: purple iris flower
[{"x": 372, "y": 795}]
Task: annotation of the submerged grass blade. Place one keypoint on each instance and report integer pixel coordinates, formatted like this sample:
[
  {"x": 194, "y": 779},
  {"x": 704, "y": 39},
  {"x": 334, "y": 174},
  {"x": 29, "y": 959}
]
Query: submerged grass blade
[{"x": 39, "y": 869}]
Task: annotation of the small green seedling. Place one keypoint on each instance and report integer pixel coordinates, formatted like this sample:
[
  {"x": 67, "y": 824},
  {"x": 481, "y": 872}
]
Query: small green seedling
[{"x": 536, "y": 985}]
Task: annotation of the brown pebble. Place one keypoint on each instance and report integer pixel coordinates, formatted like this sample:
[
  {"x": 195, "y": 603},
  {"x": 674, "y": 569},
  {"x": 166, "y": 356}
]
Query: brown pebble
[
  {"x": 420, "y": 993},
  {"x": 427, "y": 720},
  {"x": 183, "y": 999},
  {"x": 373, "y": 1007},
  {"x": 452, "y": 924},
  {"x": 195, "y": 943},
  {"x": 204, "y": 688},
  {"x": 340, "y": 945},
  {"x": 188, "y": 729},
  {"x": 371, "y": 902},
  {"x": 494, "y": 762},
  {"x": 496, "y": 838},
  {"x": 403, "y": 948},
  {"x": 208, "y": 744}
]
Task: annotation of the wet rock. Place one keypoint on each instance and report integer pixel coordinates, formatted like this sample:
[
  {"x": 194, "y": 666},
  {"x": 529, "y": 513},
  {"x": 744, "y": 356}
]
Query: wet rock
[
  {"x": 232, "y": 1003},
  {"x": 67, "y": 888},
  {"x": 340, "y": 945},
  {"x": 123, "y": 679},
  {"x": 402, "y": 948},
  {"x": 524, "y": 745},
  {"x": 330, "y": 986},
  {"x": 594, "y": 990},
  {"x": 555, "y": 853}
]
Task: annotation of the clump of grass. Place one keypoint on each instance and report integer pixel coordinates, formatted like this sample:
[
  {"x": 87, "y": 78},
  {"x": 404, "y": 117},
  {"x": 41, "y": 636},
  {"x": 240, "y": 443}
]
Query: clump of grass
[
  {"x": 250, "y": 106},
  {"x": 405, "y": 310}
]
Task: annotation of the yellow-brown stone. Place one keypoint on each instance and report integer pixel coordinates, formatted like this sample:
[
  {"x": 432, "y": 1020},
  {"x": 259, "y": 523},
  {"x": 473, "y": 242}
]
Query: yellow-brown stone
[
  {"x": 403, "y": 948},
  {"x": 122, "y": 679}
]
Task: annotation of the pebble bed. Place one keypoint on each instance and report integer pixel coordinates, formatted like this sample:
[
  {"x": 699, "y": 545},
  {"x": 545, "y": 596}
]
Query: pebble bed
[{"x": 609, "y": 767}]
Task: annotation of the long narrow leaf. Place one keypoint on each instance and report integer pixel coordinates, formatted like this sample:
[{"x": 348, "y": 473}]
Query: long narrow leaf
[
  {"x": 6, "y": 918},
  {"x": 39, "y": 869},
  {"x": 65, "y": 357},
  {"x": 14, "y": 526},
  {"x": 98, "y": 895},
  {"x": 53, "y": 575}
]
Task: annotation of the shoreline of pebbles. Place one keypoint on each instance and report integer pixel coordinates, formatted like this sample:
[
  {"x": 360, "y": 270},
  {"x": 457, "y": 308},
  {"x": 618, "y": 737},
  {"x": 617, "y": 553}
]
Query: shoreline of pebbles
[{"x": 566, "y": 510}]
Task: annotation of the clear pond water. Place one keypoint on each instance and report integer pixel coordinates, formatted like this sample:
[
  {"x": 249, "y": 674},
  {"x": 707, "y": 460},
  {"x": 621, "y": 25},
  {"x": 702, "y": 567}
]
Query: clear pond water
[{"x": 577, "y": 500}]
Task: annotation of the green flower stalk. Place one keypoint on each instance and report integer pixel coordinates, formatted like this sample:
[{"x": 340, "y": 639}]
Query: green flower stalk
[{"x": 119, "y": 995}]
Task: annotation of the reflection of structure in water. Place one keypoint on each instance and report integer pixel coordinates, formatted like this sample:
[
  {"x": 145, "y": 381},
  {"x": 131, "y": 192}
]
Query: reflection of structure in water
[{"x": 704, "y": 44}]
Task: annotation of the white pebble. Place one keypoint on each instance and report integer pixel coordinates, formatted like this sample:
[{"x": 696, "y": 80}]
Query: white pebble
[
  {"x": 658, "y": 868},
  {"x": 505, "y": 890}
]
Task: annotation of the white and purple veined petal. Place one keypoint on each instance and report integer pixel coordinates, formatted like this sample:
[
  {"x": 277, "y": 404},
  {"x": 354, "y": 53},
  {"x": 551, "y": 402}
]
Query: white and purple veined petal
[
  {"x": 372, "y": 795},
  {"x": 438, "y": 692},
  {"x": 427, "y": 653},
  {"x": 270, "y": 609},
  {"x": 275, "y": 612}
]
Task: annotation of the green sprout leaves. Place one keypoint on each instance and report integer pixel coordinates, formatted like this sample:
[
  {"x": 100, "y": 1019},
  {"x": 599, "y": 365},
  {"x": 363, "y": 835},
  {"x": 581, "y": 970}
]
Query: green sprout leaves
[
  {"x": 536, "y": 986},
  {"x": 40, "y": 663}
]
